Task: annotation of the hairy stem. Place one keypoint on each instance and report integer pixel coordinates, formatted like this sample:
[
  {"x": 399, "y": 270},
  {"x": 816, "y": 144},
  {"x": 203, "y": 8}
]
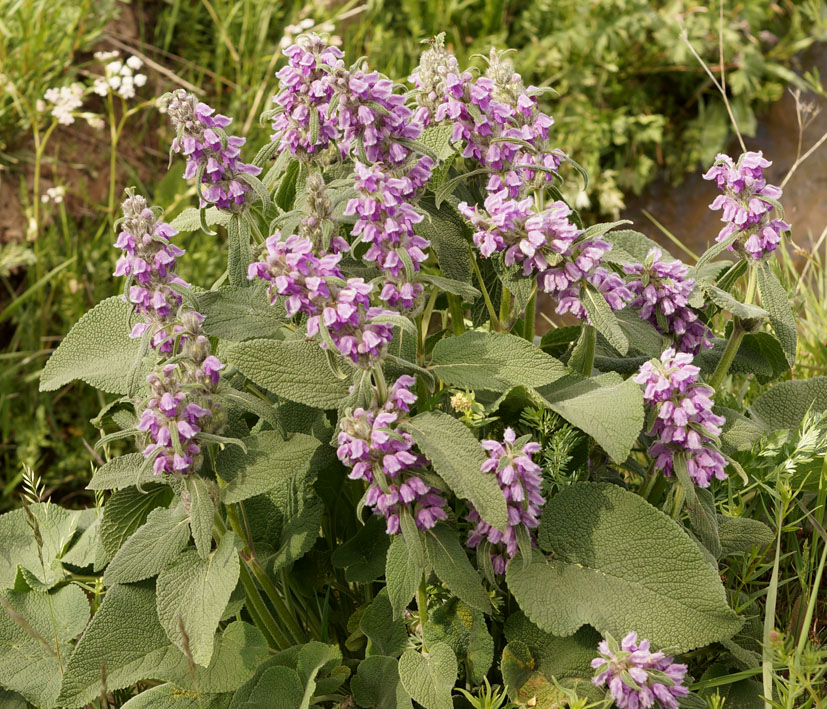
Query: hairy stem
[
  {"x": 735, "y": 338},
  {"x": 457, "y": 314},
  {"x": 492, "y": 313},
  {"x": 530, "y": 317}
]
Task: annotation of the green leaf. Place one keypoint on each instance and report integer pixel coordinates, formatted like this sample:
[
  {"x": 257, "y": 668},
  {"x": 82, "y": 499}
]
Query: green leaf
[
  {"x": 786, "y": 404},
  {"x": 270, "y": 461},
  {"x": 124, "y": 638},
  {"x": 127, "y": 510},
  {"x": 776, "y": 302},
  {"x": 457, "y": 456},
  {"x": 193, "y": 593},
  {"x": 87, "y": 550},
  {"x": 496, "y": 362},
  {"x": 286, "y": 192},
  {"x": 704, "y": 520},
  {"x": 740, "y": 534},
  {"x": 168, "y": 695},
  {"x": 642, "y": 336},
  {"x": 517, "y": 666},
  {"x": 201, "y": 514},
  {"x": 612, "y": 415},
  {"x": 738, "y": 432},
  {"x": 363, "y": 555},
  {"x": 98, "y": 350},
  {"x": 727, "y": 302},
  {"x": 429, "y": 678},
  {"x": 35, "y": 632},
  {"x": 239, "y": 251},
  {"x": 512, "y": 278},
  {"x": 389, "y": 637},
  {"x": 464, "y": 290},
  {"x": 464, "y": 630},
  {"x": 152, "y": 547},
  {"x": 656, "y": 582},
  {"x": 121, "y": 472},
  {"x": 446, "y": 231},
  {"x": 296, "y": 370},
  {"x": 630, "y": 246},
  {"x": 604, "y": 319},
  {"x": 438, "y": 140},
  {"x": 402, "y": 575},
  {"x": 377, "y": 684},
  {"x": 18, "y": 548},
  {"x": 190, "y": 219},
  {"x": 450, "y": 563},
  {"x": 238, "y": 314}
]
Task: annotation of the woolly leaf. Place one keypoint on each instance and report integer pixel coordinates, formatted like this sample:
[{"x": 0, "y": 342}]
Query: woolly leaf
[
  {"x": 237, "y": 314},
  {"x": 464, "y": 290},
  {"x": 494, "y": 362},
  {"x": 388, "y": 637},
  {"x": 445, "y": 229},
  {"x": 190, "y": 219},
  {"x": 656, "y": 582},
  {"x": 121, "y": 472},
  {"x": 740, "y": 534},
  {"x": 457, "y": 456},
  {"x": 377, "y": 684},
  {"x": 402, "y": 575},
  {"x": 776, "y": 302},
  {"x": 168, "y": 695},
  {"x": 450, "y": 563},
  {"x": 201, "y": 514},
  {"x": 464, "y": 630},
  {"x": 127, "y": 510},
  {"x": 604, "y": 319},
  {"x": 151, "y": 548},
  {"x": 35, "y": 632},
  {"x": 193, "y": 593},
  {"x": 98, "y": 350},
  {"x": 786, "y": 404},
  {"x": 269, "y": 461},
  {"x": 296, "y": 370},
  {"x": 363, "y": 555},
  {"x": 429, "y": 677}
]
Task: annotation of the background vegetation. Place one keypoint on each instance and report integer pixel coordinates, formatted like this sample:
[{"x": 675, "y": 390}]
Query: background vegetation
[{"x": 632, "y": 105}]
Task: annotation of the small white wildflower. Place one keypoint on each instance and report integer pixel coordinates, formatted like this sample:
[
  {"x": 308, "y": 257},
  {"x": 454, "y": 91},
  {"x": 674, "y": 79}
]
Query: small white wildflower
[
  {"x": 100, "y": 87},
  {"x": 106, "y": 56},
  {"x": 126, "y": 71},
  {"x": 134, "y": 62},
  {"x": 127, "y": 89},
  {"x": 306, "y": 23},
  {"x": 95, "y": 122},
  {"x": 40, "y": 105},
  {"x": 115, "y": 81},
  {"x": 114, "y": 67},
  {"x": 139, "y": 79},
  {"x": 65, "y": 100}
]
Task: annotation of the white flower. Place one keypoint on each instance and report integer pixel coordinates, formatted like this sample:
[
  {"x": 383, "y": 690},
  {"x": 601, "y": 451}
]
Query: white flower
[
  {"x": 65, "y": 100},
  {"x": 95, "y": 122},
  {"x": 53, "y": 194},
  {"x": 106, "y": 56},
  {"x": 126, "y": 71},
  {"x": 114, "y": 67},
  {"x": 115, "y": 81},
  {"x": 139, "y": 79},
  {"x": 134, "y": 62},
  {"x": 306, "y": 23},
  {"x": 100, "y": 87}
]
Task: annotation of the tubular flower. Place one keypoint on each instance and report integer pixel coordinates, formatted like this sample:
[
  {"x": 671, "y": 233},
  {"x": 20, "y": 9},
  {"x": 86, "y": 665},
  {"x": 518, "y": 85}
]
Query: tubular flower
[
  {"x": 520, "y": 480},
  {"x": 684, "y": 423},
  {"x": 181, "y": 404},
  {"x": 636, "y": 677},
  {"x": 747, "y": 202},
  {"x": 212, "y": 155},
  {"x": 662, "y": 292},
  {"x": 381, "y": 454},
  {"x": 435, "y": 64},
  {"x": 318, "y": 224},
  {"x": 148, "y": 262},
  {"x": 304, "y": 122}
]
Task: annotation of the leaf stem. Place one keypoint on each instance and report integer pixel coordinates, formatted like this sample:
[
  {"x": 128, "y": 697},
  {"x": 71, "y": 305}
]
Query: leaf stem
[
  {"x": 424, "y": 325},
  {"x": 505, "y": 308},
  {"x": 492, "y": 313},
  {"x": 530, "y": 317},
  {"x": 736, "y": 337},
  {"x": 584, "y": 351},
  {"x": 677, "y": 501},
  {"x": 422, "y": 604},
  {"x": 457, "y": 314}
]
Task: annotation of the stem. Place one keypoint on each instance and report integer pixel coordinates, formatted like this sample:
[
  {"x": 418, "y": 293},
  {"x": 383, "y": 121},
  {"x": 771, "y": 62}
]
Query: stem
[
  {"x": 492, "y": 314},
  {"x": 505, "y": 308},
  {"x": 281, "y": 608},
  {"x": 651, "y": 479},
  {"x": 530, "y": 317},
  {"x": 457, "y": 314},
  {"x": 735, "y": 338},
  {"x": 811, "y": 604},
  {"x": 381, "y": 384},
  {"x": 39, "y": 149},
  {"x": 114, "y": 135},
  {"x": 585, "y": 355},
  {"x": 677, "y": 502},
  {"x": 422, "y": 604},
  {"x": 424, "y": 325}
]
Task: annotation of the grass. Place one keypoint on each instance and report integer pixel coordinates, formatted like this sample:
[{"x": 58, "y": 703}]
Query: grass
[{"x": 633, "y": 105}]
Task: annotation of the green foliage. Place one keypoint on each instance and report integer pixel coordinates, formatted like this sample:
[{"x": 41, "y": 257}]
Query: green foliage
[{"x": 429, "y": 676}]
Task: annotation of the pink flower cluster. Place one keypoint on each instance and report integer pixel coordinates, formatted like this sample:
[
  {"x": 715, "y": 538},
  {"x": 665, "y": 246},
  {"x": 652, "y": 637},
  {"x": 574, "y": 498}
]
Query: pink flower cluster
[
  {"x": 662, "y": 292},
  {"x": 684, "y": 422},
  {"x": 747, "y": 202},
  {"x": 381, "y": 454},
  {"x": 201, "y": 138},
  {"x": 636, "y": 677},
  {"x": 520, "y": 479}
]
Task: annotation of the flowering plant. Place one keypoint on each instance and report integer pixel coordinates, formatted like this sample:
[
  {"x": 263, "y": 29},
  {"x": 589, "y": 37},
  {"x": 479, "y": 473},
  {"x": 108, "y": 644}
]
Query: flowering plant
[{"x": 340, "y": 494}]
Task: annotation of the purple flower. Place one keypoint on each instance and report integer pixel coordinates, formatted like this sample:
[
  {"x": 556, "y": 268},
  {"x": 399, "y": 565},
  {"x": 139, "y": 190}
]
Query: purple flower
[
  {"x": 201, "y": 138},
  {"x": 520, "y": 480},
  {"x": 305, "y": 123},
  {"x": 747, "y": 202},
  {"x": 636, "y": 677},
  {"x": 662, "y": 292},
  {"x": 181, "y": 404},
  {"x": 381, "y": 454},
  {"x": 684, "y": 422}
]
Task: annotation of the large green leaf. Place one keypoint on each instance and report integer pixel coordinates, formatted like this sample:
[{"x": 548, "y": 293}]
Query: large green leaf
[
  {"x": 270, "y": 461},
  {"x": 464, "y": 630},
  {"x": 377, "y": 684},
  {"x": 457, "y": 456},
  {"x": 151, "y": 548},
  {"x": 388, "y": 637},
  {"x": 450, "y": 563},
  {"x": 363, "y": 555},
  {"x": 786, "y": 404},
  {"x": 168, "y": 695},
  {"x": 402, "y": 575},
  {"x": 18, "y": 547},
  {"x": 127, "y": 510},
  {"x": 776, "y": 302},
  {"x": 35, "y": 632},
  {"x": 612, "y": 415},
  {"x": 192, "y": 595},
  {"x": 619, "y": 564},
  {"x": 429, "y": 677},
  {"x": 236, "y": 314},
  {"x": 496, "y": 362},
  {"x": 740, "y": 534},
  {"x": 295, "y": 369},
  {"x": 120, "y": 472},
  {"x": 446, "y": 230},
  {"x": 603, "y": 319},
  {"x": 98, "y": 350}
]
